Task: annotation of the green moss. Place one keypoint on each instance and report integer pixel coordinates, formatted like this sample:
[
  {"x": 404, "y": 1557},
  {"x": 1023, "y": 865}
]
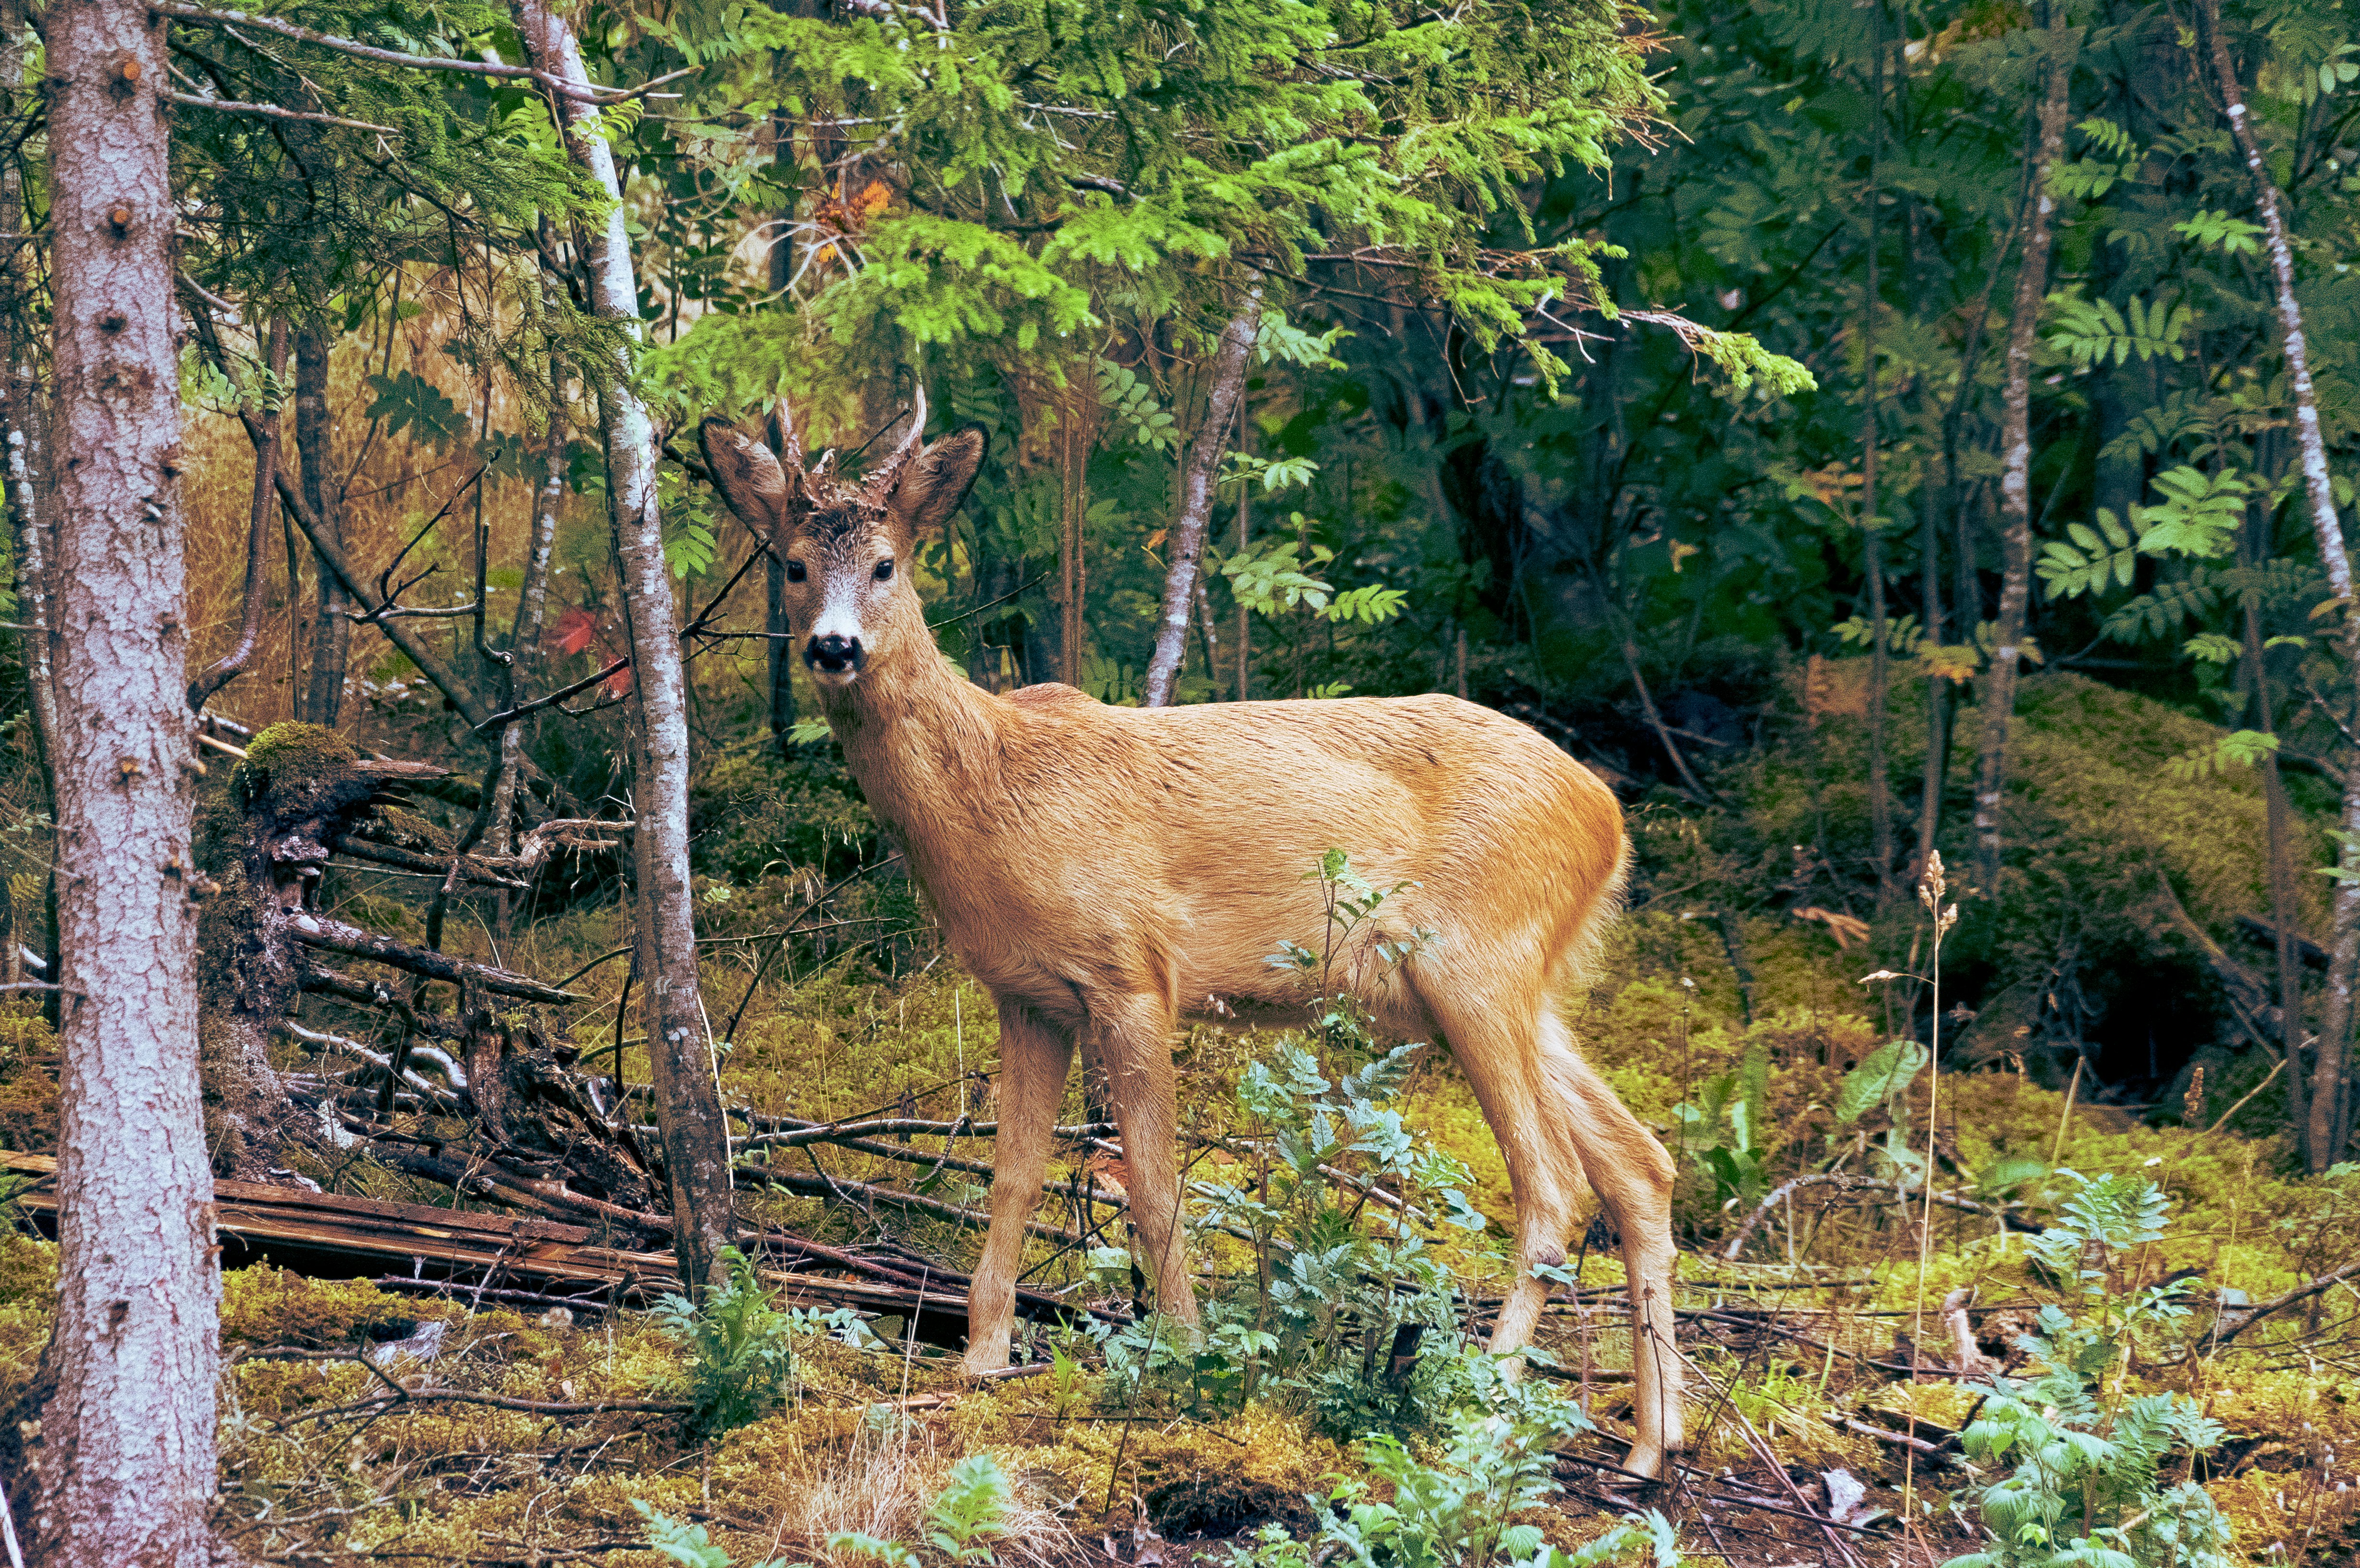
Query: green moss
[
  {"x": 28, "y": 1270},
  {"x": 263, "y": 1305},
  {"x": 289, "y": 757}
]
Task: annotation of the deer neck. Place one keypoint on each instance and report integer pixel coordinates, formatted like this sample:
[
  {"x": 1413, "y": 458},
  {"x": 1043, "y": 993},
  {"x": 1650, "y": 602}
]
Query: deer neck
[{"x": 921, "y": 739}]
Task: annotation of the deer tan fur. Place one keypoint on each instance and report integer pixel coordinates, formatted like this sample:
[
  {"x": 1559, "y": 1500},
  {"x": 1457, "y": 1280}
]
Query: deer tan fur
[{"x": 1106, "y": 872}]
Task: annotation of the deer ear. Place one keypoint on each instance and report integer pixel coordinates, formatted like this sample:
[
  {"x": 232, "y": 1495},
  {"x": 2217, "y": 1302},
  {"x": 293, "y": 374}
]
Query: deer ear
[
  {"x": 938, "y": 479},
  {"x": 748, "y": 476}
]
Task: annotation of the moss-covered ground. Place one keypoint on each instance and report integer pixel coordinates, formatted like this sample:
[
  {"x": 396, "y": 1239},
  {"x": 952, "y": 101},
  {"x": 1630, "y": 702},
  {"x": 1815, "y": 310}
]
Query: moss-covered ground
[{"x": 1728, "y": 965}]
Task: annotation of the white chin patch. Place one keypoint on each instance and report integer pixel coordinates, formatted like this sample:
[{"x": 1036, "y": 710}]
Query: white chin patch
[{"x": 833, "y": 678}]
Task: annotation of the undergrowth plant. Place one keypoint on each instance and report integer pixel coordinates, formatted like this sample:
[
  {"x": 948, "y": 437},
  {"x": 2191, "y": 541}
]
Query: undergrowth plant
[
  {"x": 740, "y": 1347},
  {"x": 2089, "y": 1488},
  {"x": 965, "y": 1518},
  {"x": 1456, "y": 1507},
  {"x": 968, "y": 1514},
  {"x": 1349, "y": 1314}
]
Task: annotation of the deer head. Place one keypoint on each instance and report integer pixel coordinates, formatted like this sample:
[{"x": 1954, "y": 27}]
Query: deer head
[{"x": 846, "y": 545}]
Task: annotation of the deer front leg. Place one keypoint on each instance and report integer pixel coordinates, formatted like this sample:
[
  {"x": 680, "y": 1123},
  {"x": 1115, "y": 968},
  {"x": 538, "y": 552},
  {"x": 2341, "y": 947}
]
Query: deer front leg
[
  {"x": 1134, "y": 1039},
  {"x": 1033, "y": 1056}
]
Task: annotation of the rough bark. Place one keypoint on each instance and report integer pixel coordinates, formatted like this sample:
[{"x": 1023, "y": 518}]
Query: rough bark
[
  {"x": 2330, "y": 1122},
  {"x": 688, "y": 1098},
  {"x": 1188, "y": 537},
  {"x": 322, "y": 701},
  {"x": 2015, "y": 474},
  {"x": 126, "y": 1448}
]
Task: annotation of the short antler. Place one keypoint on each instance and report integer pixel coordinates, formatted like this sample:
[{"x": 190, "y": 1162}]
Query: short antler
[
  {"x": 783, "y": 440},
  {"x": 888, "y": 474}
]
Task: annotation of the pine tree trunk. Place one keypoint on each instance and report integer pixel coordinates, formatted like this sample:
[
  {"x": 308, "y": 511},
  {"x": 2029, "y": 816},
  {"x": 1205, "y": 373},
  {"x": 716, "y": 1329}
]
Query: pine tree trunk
[
  {"x": 1187, "y": 538},
  {"x": 2329, "y": 1124},
  {"x": 679, "y": 1055},
  {"x": 2016, "y": 480},
  {"x": 126, "y": 1444},
  {"x": 324, "y": 492}
]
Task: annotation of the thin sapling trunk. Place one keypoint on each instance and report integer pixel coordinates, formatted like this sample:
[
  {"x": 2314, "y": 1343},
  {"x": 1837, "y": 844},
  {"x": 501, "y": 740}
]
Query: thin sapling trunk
[
  {"x": 1203, "y": 462},
  {"x": 2016, "y": 472}
]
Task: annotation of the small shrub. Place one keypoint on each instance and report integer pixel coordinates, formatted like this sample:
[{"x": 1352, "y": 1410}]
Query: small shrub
[
  {"x": 2087, "y": 1489},
  {"x": 1460, "y": 1510},
  {"x": 740, "y": 1347}
]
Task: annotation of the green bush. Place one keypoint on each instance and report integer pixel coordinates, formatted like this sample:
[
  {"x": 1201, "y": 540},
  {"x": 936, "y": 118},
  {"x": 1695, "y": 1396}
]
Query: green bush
[{"x": 2087, "y": 1488}]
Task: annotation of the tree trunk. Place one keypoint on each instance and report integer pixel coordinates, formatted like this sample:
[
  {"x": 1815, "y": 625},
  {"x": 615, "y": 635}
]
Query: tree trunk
[
  {"x": 523, "y": 660},
  {"x": 1187, "y": 539},
  {"x": 1932, "y": 776},
  {"x": 24, "y": 419},
  {"x": 263, "y": 503},
  {"x": 1245, "y": 626},
  {"x": 322, "y": 702},
  {"x": 2329, "y": 1123},
  {"x": 2016, "y": 479},
  {"x": 1077, "y": 406},
  {"x": 1880, "y": 782},
  {"x": 127, "y": 1446},
  {"x": 688, "y": 1098},
  {"x": 781, "y": 650}
]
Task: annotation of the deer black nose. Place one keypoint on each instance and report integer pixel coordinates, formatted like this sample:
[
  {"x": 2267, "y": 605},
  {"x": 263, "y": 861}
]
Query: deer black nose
[{"x": 834, "y": 653}]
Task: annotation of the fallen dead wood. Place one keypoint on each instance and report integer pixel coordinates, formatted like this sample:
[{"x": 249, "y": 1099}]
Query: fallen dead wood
[
  {"x": 334, "y": 1236},
  {"x": 1847, "y": 1183},
  {"x": 334, "y": 936}
]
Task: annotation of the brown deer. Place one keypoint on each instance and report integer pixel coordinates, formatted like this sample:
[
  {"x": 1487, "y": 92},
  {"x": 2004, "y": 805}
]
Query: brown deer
[{"x": 1107, "y": 871}]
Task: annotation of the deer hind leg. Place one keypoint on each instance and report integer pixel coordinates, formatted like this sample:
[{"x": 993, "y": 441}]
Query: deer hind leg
[
  {"x": 1633, "y": 1177},
  {"x": 1033, "y": 1056},
  {"x": 1494, "y": 1047},
  {"x": 1134, "y": 1039}
]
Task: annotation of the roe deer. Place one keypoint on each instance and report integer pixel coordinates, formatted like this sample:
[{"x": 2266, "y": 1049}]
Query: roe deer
[{"x": 1105, "y": 871}]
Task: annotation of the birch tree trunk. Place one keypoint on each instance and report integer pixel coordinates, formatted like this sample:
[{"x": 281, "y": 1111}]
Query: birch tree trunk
[
  {"x": 2329, "y": 1124},
  {"x": 523, "y": 662},
  {"x": 127, "y": 1445},
  {"x": 679, "y": 1053},
  {"x": 2015, "y": 474},
  {"x": 23, "y": 419},
  {"x": 324, "y": 492},
  {"x": 1187, "y": 539}
]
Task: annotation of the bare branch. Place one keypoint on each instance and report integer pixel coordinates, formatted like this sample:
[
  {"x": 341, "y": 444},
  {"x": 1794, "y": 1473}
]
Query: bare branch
[{"x": 273, "y": 112}]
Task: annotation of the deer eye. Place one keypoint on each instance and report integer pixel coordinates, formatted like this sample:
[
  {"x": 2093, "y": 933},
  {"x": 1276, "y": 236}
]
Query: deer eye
[
  {"x": 795, "y": 573},
  {"x": 885, "y": 570}
]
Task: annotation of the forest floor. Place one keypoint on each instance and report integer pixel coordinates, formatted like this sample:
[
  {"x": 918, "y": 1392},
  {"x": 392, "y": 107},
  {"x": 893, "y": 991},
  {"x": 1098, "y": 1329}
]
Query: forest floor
[{"x": 367, "y": 1424}]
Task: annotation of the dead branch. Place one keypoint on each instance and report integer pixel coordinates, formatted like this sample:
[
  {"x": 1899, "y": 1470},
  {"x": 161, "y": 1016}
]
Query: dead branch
[
  {"x": 334, "y": 936},
  {"x": 2233, "y": 1324},
  {"x": 837, "y": 1187},
  {"x": 272, "y": 112},
  {"x": 227, "y": 20},
  {"x": 1852, "y": 1184}
]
